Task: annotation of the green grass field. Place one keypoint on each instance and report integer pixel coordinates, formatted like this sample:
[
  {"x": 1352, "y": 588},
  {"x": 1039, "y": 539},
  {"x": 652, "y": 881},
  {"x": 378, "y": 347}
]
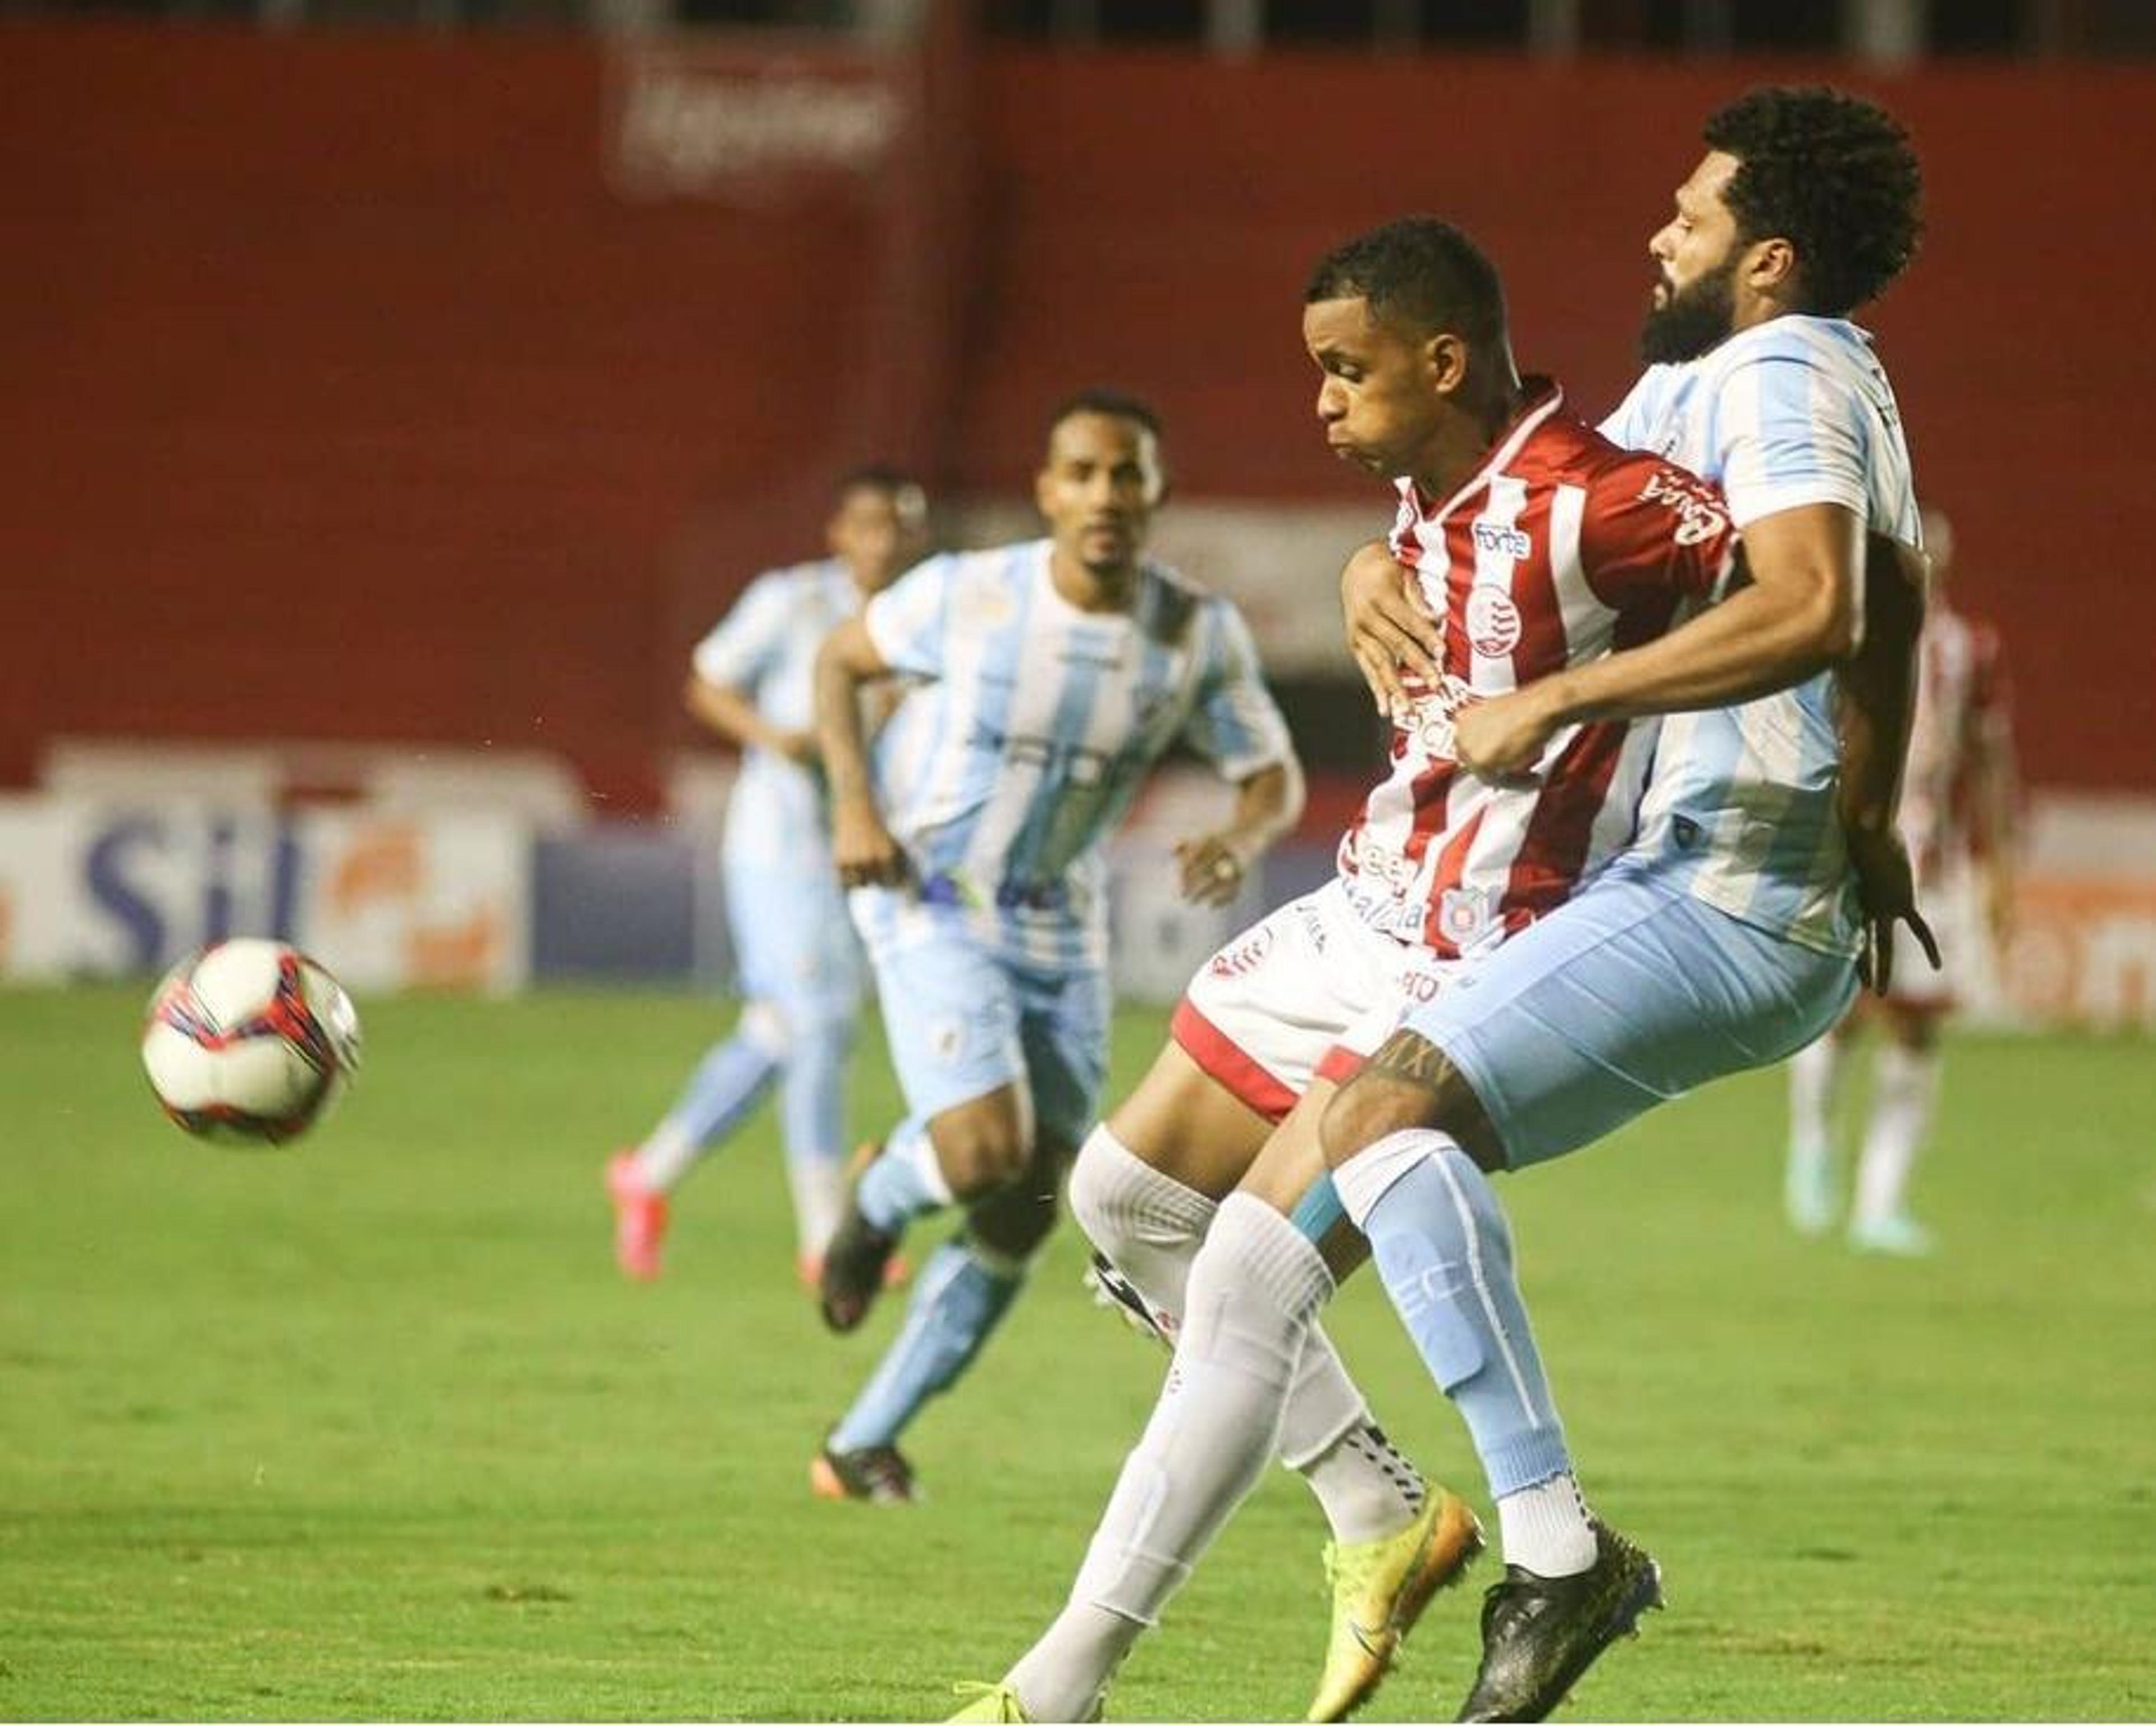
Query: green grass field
[{"x": 371, "y": 1429}]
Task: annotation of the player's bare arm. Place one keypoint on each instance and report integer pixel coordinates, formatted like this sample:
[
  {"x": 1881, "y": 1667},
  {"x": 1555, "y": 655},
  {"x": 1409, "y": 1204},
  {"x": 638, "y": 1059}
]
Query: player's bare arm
[
  {"x": 861, "y": 846},
  {"x": 1268, "y": 802},
  {"x": 1800, "y": 614},
  {"x": 1877, "y": 687},
  {"x": 733, "y": 715}
]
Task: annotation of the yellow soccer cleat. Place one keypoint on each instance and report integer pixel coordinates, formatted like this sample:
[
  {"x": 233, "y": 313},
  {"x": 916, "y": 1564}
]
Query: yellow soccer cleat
[
  {"x": 998, "y": 1702},
  {"x": 1379, "y": 1589}
]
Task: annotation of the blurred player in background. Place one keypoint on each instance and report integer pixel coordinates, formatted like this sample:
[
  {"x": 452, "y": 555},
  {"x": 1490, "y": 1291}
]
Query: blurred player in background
[
  {"x": 1958, "y": 812},
  {"x": 1051, "y": 676},
  {"x": 800, "y": 967},
  {"x": 1728, "y": 934}
]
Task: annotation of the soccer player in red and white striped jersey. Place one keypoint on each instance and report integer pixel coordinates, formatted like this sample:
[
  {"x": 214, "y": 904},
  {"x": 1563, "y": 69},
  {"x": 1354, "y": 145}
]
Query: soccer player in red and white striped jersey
[
  {"x": 1957, "y": 811},
  {"x": 1561, "y": 549}
]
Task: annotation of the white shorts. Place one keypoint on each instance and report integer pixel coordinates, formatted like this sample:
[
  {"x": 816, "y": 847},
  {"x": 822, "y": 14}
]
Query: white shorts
[{"x": 1307, "y": 992}]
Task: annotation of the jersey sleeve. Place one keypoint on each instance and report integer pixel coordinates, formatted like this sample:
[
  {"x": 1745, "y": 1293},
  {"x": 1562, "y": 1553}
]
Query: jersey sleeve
[
  {"x": 909, "y": 621},
  {"x": 1626, "y": 426},
  {"x": 1236, "y": 724},
  {"x": 1650, "y": 530},
  {"x": 742, "y": 650},
  {"x": 1787, "y": 431}
]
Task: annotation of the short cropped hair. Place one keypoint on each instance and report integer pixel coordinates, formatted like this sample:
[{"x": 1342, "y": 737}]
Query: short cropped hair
[
  {"x": 1116, "y": 404},
  {"x": 1420, "y": 272},
  {"x": 880, "y": 477},
  {"x": 1831, "y": 173}
]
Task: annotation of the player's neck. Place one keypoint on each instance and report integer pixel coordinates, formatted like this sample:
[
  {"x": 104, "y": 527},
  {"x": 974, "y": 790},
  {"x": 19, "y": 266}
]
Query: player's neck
[
  {"x": 1091, "y": 589},
  {"x": 1464, "y": 444}
]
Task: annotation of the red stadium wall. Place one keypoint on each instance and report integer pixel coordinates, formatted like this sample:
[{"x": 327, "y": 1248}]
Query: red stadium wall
[{"x": 345, "y": 396}]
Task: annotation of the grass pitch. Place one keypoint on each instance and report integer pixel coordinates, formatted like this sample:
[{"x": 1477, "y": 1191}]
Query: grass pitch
[{"x": 370, "y": 1429}]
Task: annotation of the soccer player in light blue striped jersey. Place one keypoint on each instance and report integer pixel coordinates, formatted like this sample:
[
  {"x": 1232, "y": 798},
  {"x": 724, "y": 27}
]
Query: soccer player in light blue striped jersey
[
  {"x": 1048, "y": 677},
  {"x": 799, "y": 964}
]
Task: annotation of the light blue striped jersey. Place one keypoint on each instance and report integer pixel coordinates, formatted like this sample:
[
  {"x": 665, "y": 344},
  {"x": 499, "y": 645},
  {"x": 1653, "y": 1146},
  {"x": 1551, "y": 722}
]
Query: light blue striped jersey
[
  {"x": 765, "y": 647},
  {"x": 1032, "y": 726},
  {"x": 1739, "y": 810}
]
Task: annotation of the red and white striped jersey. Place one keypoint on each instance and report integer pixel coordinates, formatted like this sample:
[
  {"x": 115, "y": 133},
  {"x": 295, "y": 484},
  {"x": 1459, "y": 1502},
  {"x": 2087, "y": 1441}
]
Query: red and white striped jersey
[
  {"x": 1562, "y": 548},
  {"x": 1958, "y": 734}
]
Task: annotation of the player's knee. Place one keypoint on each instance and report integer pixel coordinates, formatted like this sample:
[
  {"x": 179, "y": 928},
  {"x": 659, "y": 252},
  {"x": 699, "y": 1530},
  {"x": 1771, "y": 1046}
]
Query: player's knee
[
  {"x": 980, "y": 1150},
  {"x": 765, "y": 1025},
  {"x": 1095, "y": 1184},
  {"x": 1014, "y": 1227}
]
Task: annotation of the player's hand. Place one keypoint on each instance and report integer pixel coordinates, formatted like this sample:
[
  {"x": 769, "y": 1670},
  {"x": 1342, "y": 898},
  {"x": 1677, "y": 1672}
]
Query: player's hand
[
  {"x": 1389, "y": 629},
  {"x": 800, "y": 746},
  {"x": 1501, "y": 740},
  {"x": 1886, "y": 890},
  {"x": 1213, "y": 868},
  {"x": 863, "y": 848}
]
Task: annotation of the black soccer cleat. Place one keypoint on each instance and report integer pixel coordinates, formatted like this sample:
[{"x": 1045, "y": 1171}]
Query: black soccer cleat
[
  {"x": 875, "y": 1474},
  {"x": 856, "y": 1260},
  {"x": 1541, "y": 1633}
]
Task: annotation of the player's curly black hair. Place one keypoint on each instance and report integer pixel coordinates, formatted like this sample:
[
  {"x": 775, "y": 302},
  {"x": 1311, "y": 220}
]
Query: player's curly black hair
[
  {"x": 1420, "y": 270},
  {"x": 1831, "y": 173}
]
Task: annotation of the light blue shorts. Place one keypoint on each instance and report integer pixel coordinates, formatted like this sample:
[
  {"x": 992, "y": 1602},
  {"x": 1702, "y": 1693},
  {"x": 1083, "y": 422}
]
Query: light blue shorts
[
  {"x": 1630, "y": 994},
  {"x": 794, "y": 945},
  {"x": 963, "y": 1019}
]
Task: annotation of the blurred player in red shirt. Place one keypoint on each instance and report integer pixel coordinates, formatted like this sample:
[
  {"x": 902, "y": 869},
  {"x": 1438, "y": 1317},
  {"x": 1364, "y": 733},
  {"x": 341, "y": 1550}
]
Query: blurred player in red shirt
[{"x": 1958, "y": 808}]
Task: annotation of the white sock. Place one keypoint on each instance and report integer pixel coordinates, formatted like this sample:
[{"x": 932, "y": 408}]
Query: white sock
[
  {"x": 1252, "y": 1291},
  {"x": 1149, "y": 1224},
  {"x": 1146, "y": 1224},
  {"x": 1079, "y": 1654},
  {"x": 1814, "y": 1094},
  {"x": 1369, "y": 1491},
  {"x": 819, "y": 1186},
  {"x": 910, "y": 1144},
  {"x": 666, "y": 1155},
  {"x": 1904, "y": 1091},
  {"x": 1545, "y": 1529}
]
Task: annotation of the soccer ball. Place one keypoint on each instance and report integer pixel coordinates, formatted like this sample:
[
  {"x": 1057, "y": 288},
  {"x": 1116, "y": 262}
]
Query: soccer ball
[{"x": 250, "y": 1041}]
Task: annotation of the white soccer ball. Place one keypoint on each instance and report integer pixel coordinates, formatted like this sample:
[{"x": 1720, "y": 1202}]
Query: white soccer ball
[{"x": 250, "y": 1041}]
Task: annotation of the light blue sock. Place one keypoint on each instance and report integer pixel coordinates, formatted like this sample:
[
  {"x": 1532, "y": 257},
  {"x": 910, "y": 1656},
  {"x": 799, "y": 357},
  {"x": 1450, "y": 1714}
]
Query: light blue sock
[
  {"x": 724, "y": 1090},
  {"x": 905, "y": 1182},
  {"x": 812, "y": 1098},
  {"x": 1445, "y": 1256},
  {"x": 812, "y": 1114},
  {"x": 957, "y": 1302}
]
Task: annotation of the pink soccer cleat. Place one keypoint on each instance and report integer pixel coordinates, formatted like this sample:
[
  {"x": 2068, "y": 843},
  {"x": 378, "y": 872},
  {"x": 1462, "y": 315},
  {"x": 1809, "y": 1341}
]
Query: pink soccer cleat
[{"x": 639, "y": 1218}]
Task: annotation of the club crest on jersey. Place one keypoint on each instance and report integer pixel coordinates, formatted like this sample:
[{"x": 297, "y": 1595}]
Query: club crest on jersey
[
  {"x": 1493, "y": 622},
  {"x": 1463, "y": 912}
]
